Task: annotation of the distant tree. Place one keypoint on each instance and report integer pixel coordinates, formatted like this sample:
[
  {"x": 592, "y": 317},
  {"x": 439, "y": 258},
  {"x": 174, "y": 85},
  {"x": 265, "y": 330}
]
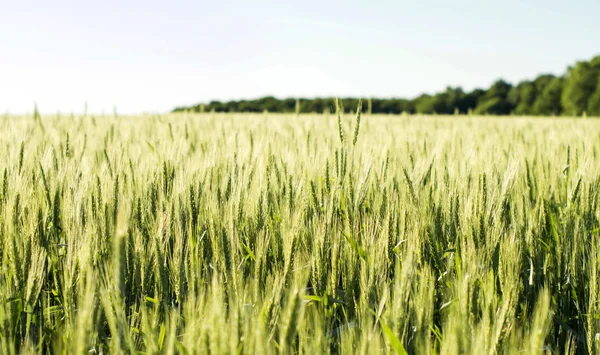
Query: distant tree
[
  {"x": 384, "y": 106},
  {"x": 349, "y": 104},
  {"x": 580, "y": 85},
  {"x": 216, "y": 106},
  {"x": 522, "y": 97},
  {"x": 445, "y": 102},
  {"x": 542, "y": 81},
  {"x": 548, "y": 102},
  {"x": 424, "y": 104},
  {"x": 317, "y": 105},
  {"x": 455, "y": 99},
  {"x": 593, "y": 105},
  {"x": 493, "y": 106},
  {"x": 470, "y": 100},
  {"x": 495, "y": 101},
  {"x": 248, "y": 106}
]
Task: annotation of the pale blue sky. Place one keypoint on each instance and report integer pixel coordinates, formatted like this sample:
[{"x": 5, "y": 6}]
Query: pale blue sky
[{"x": 155, "y": 55}]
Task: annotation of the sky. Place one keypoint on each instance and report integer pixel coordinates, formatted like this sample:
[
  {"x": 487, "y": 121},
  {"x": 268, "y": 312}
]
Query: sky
[{"x": 151, "y": 56}]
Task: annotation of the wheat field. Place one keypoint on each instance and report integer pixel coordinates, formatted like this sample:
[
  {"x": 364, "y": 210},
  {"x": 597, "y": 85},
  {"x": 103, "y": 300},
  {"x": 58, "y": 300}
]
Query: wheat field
[{"x": 266, "y": 234}]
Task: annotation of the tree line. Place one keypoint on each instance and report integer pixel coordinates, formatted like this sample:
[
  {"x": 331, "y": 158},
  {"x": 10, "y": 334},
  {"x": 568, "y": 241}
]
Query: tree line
[{"x": 575, "y": 93}]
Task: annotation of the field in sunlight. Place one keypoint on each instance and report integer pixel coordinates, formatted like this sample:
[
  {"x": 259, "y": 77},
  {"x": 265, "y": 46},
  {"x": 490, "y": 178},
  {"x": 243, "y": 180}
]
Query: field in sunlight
[{"x": 266, "y": 233}]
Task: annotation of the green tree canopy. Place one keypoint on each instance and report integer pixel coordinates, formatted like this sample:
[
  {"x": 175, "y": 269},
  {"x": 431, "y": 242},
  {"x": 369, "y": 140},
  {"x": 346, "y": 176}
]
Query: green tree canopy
[{"x": 580, "y": 85}]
